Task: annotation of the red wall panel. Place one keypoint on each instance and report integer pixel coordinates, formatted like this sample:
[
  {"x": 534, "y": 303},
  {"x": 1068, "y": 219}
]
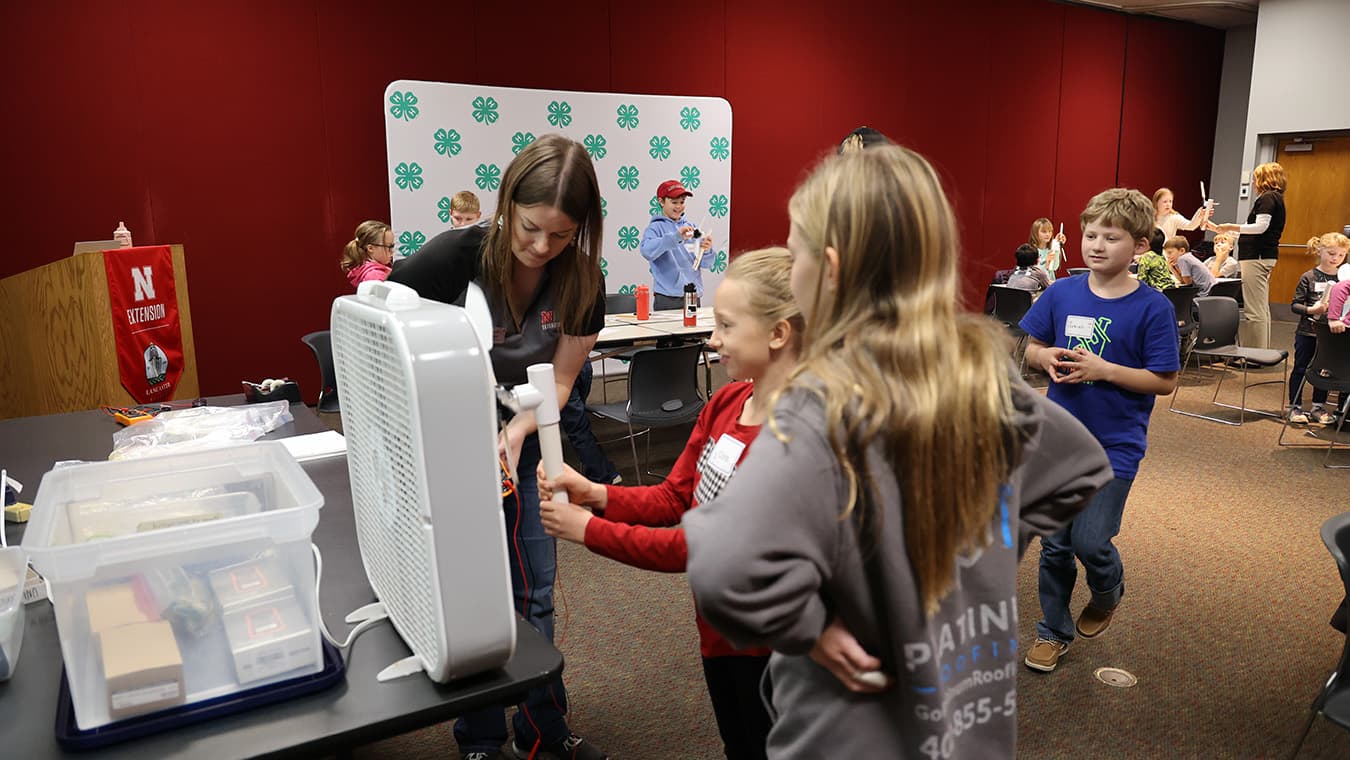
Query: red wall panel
[{"x": 251, "y": 132}]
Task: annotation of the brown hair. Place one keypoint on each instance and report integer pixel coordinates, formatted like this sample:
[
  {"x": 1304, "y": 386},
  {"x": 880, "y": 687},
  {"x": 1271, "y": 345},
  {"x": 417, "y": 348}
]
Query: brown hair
[
  {"x": 882, "y": 364},
  {"x": 355, "y": 253},
  {"x": 1121, "y": 207},
  {"x": 1177, "y": 241},
  {"x": 1158, "y": 196},
  {"x": 1270, "y": 176},
  {"x": 464, "y": 202},
  {"x": 557, "y": 172}
]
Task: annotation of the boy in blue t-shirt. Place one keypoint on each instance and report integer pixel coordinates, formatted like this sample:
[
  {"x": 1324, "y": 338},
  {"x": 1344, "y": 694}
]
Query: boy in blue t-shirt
[{"x": 1109, "y": 346}]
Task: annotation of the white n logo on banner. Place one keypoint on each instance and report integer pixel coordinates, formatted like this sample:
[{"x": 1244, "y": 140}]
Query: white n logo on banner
[{"x": 145, "y": 287}]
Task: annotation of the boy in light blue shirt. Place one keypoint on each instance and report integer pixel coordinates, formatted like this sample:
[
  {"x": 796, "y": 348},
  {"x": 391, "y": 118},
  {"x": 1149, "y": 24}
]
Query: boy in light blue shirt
[
  {"x": 665, "y": 246},
  {"x": 1110, "y": 347}
]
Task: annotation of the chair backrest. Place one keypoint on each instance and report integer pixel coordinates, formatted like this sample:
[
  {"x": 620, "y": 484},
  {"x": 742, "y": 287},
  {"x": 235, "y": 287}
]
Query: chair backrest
[
  {"x": 1218, "y": 322},
  {"x": 1330, "y": 365},
  {"x": 321, "y": 343},
  {"x": 1336, "y": 536},
  {"x": 1183, "y": 302},
  {"x": 663, "y": 385},
  {"x": 620, "y": 303},
  {"x": 1010, "y": 304},
  {"x": 1228, "y": 289}
]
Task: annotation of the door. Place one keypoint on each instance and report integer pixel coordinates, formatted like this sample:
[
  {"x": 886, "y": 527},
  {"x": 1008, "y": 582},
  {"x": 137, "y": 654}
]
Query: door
[{"x": 1317, "y": 201}]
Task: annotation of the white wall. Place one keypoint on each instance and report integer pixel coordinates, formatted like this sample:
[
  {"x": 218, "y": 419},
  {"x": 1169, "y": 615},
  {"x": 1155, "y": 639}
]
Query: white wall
[{"x": 1300, "y": 78}]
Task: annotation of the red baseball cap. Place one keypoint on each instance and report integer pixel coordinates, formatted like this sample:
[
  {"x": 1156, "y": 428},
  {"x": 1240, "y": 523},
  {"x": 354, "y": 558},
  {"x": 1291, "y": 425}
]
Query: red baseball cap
[{"x": 672, "y": 188}]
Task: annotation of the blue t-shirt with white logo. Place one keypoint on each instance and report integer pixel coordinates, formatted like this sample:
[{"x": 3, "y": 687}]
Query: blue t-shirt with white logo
[{"x": 1138, "y": 330}]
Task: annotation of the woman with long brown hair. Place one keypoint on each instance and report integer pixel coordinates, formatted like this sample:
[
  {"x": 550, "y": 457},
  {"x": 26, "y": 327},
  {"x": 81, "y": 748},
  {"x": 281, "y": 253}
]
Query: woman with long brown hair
[{"x": 902, "y": 471}]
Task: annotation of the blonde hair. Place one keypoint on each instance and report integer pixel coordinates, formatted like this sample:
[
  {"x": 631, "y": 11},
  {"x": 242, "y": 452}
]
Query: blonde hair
[
  {"x": 1158, "y": 196},
  {"x": 368, "y": 233},
  {"x": 883, "y": 364},
  {"x": 1120, "y": 207},
  {"x": 557, "y": 172},
  {"x": 1177, "y": 241},
  {"x": 1231, "y": 237},
  {"x": 1036, "y": 227},
  {"x": 1329, "y": 240},
  {"x": 765, "y": 276},
  {"x": 1270, "y": 176},
  {"x": 464, "y": 202}
]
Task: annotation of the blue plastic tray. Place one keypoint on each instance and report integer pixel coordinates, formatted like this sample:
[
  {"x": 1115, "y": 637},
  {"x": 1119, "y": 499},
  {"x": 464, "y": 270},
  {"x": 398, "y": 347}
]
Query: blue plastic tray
[{"x": 69, "y": 735}]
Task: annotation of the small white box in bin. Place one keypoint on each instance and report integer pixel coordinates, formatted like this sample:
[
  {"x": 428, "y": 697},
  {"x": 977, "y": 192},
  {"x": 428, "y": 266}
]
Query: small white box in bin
[
  {"x": 250, "y": 582},
  {"x": 270, "y": 638}
]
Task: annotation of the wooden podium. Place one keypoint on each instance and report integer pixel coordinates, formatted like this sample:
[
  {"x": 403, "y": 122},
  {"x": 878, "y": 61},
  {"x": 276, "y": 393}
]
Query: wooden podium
[{"x": 57, "y": 352}]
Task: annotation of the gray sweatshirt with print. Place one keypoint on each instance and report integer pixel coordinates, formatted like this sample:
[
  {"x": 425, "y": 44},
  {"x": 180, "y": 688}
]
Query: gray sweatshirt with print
[{"x": 771, "y": 562}]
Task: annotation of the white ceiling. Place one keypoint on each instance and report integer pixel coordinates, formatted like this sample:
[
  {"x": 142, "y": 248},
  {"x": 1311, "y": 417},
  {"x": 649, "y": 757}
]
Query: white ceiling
[{"x": 1221, "y": 14}]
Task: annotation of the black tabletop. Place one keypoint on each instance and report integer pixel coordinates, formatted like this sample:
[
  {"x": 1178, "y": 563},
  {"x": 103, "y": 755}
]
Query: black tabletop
[{"x": 355, "y": 712}]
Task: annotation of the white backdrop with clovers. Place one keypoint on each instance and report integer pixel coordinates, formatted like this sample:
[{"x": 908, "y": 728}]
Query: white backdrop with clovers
[{"x": 442, "y": 138}]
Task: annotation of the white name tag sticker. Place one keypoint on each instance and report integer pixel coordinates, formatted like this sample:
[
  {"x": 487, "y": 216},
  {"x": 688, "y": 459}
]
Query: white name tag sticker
[
  {"x": 1079, "y": 327},
  {"x": 1320, "y": 287},
  {"x": 725, "y": 454}
]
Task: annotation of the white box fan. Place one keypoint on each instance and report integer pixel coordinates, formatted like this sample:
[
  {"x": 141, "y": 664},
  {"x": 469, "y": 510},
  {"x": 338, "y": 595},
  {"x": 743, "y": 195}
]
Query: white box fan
[{"x": 419, "y": 415}]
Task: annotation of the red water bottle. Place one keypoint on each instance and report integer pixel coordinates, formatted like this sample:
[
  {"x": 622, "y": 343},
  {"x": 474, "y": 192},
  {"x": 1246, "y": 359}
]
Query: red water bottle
[
  {"x": 690, "y": 305},
  {"x": 644, "y": 303}
]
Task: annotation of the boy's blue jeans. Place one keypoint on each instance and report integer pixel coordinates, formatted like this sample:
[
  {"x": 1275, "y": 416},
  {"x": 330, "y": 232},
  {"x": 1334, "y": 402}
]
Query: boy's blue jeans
[
  {"x": 532, "y": 552},
  {"x": 1088, "y": 539}
]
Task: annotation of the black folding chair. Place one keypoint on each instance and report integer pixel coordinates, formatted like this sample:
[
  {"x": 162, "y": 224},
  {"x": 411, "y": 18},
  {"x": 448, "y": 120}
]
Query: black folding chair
[
  {"x": 662, "y": 392},
  {"x": 1216, "y": 339},
  {"x": 1333, "y": 701},
  {"x": 321, "y": 344},
  {"x": 1010, "y": 305},
  {"x": 1329, "y": 370},
  {"x": 615, "y": 303},
  {"x": 1183, "y": 303}
]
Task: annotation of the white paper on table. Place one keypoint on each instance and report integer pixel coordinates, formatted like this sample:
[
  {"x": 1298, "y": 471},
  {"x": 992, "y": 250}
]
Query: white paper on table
[{"x": 329, "y": 443}]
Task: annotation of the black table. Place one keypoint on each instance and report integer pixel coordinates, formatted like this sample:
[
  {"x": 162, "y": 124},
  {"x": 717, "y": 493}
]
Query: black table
[{"x": 355, "y": 712}]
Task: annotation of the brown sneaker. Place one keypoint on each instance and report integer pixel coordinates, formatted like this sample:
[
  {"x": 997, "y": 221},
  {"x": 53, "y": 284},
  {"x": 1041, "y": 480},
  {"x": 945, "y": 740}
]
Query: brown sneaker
[
  {"x": 1093, "y": 621},
  {"x": 1045, "y": 653}
]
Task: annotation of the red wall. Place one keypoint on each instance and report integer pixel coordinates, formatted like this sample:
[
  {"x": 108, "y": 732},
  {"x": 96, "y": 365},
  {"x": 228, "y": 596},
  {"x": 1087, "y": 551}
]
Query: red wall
[{"x": 252, "y": 132}]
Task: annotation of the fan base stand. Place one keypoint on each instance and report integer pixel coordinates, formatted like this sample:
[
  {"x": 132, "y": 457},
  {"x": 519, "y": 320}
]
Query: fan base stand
[
  {"x": 368, "y": 612},
  {"x": 404, "y": 667}
]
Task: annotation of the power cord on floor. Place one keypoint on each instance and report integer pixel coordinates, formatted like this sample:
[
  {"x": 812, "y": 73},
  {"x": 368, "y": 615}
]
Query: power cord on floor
[{"x": 318, "y": 611}]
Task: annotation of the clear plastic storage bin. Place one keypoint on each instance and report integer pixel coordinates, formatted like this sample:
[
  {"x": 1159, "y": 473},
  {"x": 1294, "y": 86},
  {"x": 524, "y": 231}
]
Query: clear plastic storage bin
[
  {"x": 13, "y": 571},
  {"x": 178, "y": 578}
]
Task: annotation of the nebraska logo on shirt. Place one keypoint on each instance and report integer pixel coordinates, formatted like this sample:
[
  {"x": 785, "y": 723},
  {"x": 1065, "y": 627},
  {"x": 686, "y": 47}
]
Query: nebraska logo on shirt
[{"x": 546, "y": 320}]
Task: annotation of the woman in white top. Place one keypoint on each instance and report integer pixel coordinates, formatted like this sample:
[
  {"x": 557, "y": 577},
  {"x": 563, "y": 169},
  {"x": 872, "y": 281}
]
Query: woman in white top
[{"x": 1168, "y": 220}]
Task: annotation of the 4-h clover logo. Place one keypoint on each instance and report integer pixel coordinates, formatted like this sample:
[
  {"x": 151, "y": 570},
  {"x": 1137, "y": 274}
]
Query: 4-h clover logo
[
  {"x": 595, "y": 145},
  {"x": 719, "y": 264},
  {"x": 604, "y": 207},
  {"x": 719, "y": 148},
  {"x": 718, "y": 205},
  {"x": 485, "y": 110},
  {"x": 447, "y": 142},
  {"x": 403, "y": 105},
  {"x": 659, "y": 147},
  {"x": 628, "y": 238},
  {"x": 560, "y": 113},
  {"x": 628, "y": 290},
  {"x": 444, "y": 213},
  {"x": 519, "y": 140},
  {"x": 690, "y": 118},
  {"x": 408, "y": 176},
  {"x": 604, "y": 267},
  {"x": 628, "y": 177},
  {"x": 488, "y": 176},
  {"x": 628, "y": 117},
  {"x": 689, "y": 177},
  {"x": 411, "y": 242},
  {"x": 654, "y": 207}
]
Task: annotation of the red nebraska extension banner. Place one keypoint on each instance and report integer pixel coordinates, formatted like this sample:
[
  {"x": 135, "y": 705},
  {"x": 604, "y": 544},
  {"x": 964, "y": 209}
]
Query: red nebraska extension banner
[{"x": 145, "y": 321}]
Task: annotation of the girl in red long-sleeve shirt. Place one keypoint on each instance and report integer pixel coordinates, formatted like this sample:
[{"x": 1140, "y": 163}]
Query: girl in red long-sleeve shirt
[{"x": 757, "y": 333}]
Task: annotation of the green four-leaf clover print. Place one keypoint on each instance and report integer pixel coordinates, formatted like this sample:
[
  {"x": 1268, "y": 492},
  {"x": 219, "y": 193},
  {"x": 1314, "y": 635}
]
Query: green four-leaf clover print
[
  {"x": 408, "y": 176},
  {"x": 411, "y": 242},
  {"x": 719, "y": 148},
  {"x": 654, "y": 206},
  {"x": 560, "y": 113},
  {"x": 718, "y": 206},
  {"x": 719, "y": 264},
  {"x": 604, "y": 207},
  {"x": 628, "y": 117},
  {"x": 628, "y": 290},
  {"x": 447, "y": 142},
  {"x": 444, "y": 209},
  {"x": 485, "y": 110},
  {"x": 659, "y": 147},
  {"x": 690, "y": 177},
  {"x": 690, "y": 118},
  {"x": 628, "y": 238},
  {"x": 628, "y": 178},
  {"x": 595, "y": 145},
  {"x": 488, "y": 176},
  {"x": 604, "y": 267},
  {"x": 519, "y": 140},
  {"x": 403, "y": 105}
]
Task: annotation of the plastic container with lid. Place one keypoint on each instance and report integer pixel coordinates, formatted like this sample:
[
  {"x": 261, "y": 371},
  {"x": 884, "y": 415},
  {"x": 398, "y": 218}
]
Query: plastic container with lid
[
  {"x": 13, "y": 571},
  {"x": 136, "y": 550}
]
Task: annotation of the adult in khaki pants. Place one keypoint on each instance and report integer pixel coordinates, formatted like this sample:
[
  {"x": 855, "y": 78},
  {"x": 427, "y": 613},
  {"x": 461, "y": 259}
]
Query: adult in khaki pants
[{"x": 1258, "y": 250}]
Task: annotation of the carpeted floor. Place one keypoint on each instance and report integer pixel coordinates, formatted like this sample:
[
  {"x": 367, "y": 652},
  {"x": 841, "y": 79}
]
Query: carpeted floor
[{"x": 1224, "y": 621}]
